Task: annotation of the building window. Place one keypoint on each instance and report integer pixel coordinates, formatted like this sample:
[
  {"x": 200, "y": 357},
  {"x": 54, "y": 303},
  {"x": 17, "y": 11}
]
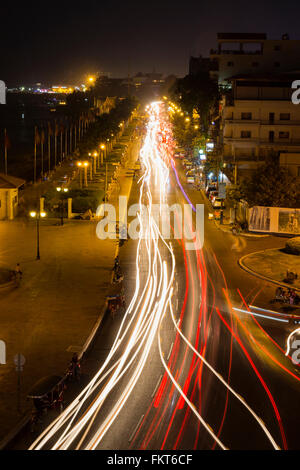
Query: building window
[
  {"x": 230, "y": 64},
  {"x": 284, "y": 135},
  {"x": 276, "y": 64},
  {"x": 285, "y": 116},
  {"x": 246, "y": 134},
  {"x": 246, "y": 116}
]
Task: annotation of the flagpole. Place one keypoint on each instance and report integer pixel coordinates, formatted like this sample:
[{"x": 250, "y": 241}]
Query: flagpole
[
  {"x": 49, "y": 148},
  {"x": 55, "y": 144},
  {"x": 5, "y": 150},
  {"x": 34, "y": 165},
  {"x": 42, "y": 152},
  {"x": 61, "y": 144}
]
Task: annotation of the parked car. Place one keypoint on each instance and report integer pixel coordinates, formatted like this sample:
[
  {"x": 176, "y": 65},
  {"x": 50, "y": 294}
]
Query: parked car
[
  {"x": 213, "y": 194},
  {"x": 218, "y": 203},
  {"x": 209, "y": 188}
]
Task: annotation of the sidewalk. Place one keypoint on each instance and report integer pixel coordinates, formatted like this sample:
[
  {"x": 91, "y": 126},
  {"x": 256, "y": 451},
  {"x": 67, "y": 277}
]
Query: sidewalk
[
  {"x": 272, "y": 265},
  {"x": 52, "y": 313}
]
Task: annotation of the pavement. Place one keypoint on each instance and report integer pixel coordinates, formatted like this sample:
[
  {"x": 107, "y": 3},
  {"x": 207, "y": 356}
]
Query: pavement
[
  {"x": 246, "y": 353},
  {"x": 52, "y": 313},
  {"x": 272, "y": 265}
]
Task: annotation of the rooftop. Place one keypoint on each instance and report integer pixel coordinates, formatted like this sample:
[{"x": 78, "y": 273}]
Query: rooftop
[{"x": 10, "y": 182}]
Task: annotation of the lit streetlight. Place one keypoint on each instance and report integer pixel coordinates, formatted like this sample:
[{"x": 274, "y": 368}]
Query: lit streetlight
[
  {"x": 37, "y": 215},
  {"x": 62, "y": 191},
  {"x": 103, "y": 152},
  {"x": 83, "y": 166}
]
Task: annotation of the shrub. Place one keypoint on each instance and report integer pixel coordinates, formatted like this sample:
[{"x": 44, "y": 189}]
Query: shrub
[{"x": 293, "y": 246}]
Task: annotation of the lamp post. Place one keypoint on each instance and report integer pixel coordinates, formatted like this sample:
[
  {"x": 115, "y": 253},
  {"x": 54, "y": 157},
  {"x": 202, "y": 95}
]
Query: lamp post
[
  {"x": 62, "y": 191},
  {"x": 84, "y": 166},
  {"x": 91, "y": 166},
  {"x": 96, "y": 161},
  {"x": 37, "y": 216},
  {"x": 79, "y": 164},
  {"x": 103, "y": 149}
]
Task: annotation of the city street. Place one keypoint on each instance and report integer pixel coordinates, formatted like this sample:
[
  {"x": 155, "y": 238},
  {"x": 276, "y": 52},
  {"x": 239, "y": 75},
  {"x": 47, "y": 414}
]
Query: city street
[{"x": 191, "y": 371}]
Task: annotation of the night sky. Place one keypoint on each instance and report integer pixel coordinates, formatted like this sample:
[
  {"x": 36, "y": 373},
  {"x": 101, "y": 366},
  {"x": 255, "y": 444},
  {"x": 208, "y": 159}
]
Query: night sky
[{"x": 57, "y": 42}]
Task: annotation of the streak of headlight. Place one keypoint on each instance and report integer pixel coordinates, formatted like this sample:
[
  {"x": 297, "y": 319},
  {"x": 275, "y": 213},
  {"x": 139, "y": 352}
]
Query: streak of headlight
[
  {"x": 259, "y": 315},
  {"x": 219, "y": 376}
]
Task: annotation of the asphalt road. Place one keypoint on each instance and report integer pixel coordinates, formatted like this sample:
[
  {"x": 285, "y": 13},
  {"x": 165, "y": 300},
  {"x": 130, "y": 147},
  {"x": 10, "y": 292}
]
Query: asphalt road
[{"x": 244, "y": 397}]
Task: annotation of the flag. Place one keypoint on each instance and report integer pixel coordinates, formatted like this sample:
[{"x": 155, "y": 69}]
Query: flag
[
  {"x": 50, "y": 131},
  {"x": 6, "y": 141},
  {"x": 37, "y": 138}
]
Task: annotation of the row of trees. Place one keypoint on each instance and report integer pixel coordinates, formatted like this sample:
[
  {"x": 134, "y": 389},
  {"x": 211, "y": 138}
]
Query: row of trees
[
  {"x": 197, "y": 93},
  {"x": 269, "y": 185}
]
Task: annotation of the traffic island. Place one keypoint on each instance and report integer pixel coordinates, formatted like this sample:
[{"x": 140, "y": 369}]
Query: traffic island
[{"x": 273, "y": 265}]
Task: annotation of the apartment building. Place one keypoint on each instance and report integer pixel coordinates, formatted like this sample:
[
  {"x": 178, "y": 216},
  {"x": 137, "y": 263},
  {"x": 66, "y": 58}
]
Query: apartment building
[
  {"x": 259, "y": 120},
  {"x": 248, "y": 53}
]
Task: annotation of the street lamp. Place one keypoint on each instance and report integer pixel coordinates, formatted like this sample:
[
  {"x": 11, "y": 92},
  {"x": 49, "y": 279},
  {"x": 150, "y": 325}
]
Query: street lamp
[
  {"x": 37, "y": 216},
  {"x": 95, "y": 155},
  {"x": 62, "y": 191},
  {"x": 84, "y": 166},
  {"x": 103, "y": 149}
]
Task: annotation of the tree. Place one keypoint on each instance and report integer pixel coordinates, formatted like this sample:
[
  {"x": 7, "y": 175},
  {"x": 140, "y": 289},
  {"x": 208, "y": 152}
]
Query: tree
[
  {"x": 197, "y": 92},
  {"x": 271, "y": 185}
]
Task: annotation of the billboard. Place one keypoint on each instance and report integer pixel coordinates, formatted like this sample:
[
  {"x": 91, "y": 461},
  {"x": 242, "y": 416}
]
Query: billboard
[{"x": 274, "y": 220}]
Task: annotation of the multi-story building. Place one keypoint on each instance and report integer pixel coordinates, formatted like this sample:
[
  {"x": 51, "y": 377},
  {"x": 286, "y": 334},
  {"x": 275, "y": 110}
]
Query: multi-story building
[
  {"x": 259, "y": 121},
  {"x": 248, "y": 53}
]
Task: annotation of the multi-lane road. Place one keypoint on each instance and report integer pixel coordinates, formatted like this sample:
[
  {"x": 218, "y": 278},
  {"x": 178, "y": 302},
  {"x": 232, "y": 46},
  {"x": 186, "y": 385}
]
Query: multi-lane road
[{"x": 188, "y": 366}]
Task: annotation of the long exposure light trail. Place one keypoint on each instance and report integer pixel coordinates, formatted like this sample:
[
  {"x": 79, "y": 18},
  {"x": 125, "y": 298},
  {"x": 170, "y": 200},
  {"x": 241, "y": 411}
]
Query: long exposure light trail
[
  {"x": 85, "y": 422},
  {"x": 139, "y": 326}
]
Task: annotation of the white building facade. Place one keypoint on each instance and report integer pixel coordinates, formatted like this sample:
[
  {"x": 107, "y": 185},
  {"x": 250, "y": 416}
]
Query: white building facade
[
  {"x": 259, "y": 121},
  {"x": 252, "y": 53}
]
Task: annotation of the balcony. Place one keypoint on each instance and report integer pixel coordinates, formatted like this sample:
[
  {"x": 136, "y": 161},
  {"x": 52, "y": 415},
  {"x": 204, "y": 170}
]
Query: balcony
[
  {"x": 287, "y": 123},
  {"x": 234, "y": 52},
  {"x": 257, "y": 141}
]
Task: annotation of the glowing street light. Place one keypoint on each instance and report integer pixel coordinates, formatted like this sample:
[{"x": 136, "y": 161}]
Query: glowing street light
[
  {"x": 83, "y": 165},
  {"x": 62, "y": 191},
  {"x": 37, "y": 215},
  {"x": 103, "y": 149}
]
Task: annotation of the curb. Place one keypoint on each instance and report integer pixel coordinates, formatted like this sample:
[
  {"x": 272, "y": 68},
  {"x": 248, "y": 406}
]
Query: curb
[
  {"x": 241, "y": 234},
  {"x": 261, "y": 276},
  {"x": 25, "y": 420}
]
